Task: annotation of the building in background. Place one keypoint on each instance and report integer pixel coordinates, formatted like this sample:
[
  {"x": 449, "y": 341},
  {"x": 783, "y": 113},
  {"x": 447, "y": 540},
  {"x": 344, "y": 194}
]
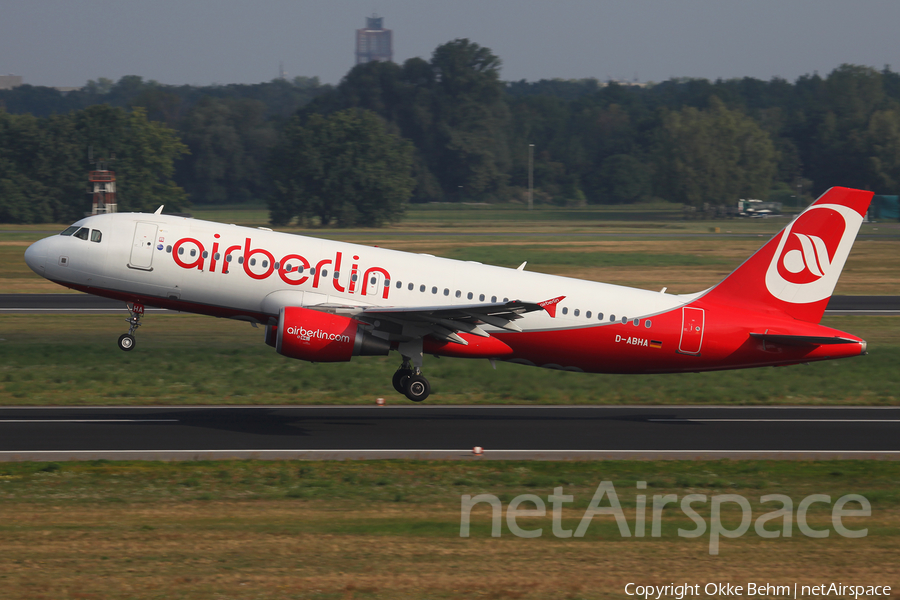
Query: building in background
[
  {"x": 374, "y": 42},
  {"x": 8, "y": 82}
]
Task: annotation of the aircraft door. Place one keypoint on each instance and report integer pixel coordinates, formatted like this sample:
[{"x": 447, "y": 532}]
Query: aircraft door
[
  {"x": 692, "y": 321},
  {"x": 142, "y": 246}
]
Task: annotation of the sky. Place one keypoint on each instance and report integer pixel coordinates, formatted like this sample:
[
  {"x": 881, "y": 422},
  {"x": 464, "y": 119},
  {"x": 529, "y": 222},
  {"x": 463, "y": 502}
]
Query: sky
[{"x": 202, "y": 42}]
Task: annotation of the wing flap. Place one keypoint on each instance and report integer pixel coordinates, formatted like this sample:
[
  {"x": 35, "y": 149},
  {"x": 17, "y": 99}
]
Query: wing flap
[{"x": 445, "y": 322}]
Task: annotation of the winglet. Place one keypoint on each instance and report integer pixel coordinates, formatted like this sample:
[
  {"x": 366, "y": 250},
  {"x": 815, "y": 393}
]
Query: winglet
[{"x": 550, "y": 305}]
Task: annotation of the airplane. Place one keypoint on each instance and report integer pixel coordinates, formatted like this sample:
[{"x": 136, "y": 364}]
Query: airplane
[{"x": 327, "y": 301}]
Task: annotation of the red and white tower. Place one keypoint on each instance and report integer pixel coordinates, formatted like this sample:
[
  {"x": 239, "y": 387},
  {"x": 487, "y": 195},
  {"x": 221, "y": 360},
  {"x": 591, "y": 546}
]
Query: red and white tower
[{"x": 103, "y": 189}]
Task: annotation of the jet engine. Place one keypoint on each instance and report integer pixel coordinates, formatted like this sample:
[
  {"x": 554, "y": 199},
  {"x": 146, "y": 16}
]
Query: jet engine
[{"x": 322, "y": 337}]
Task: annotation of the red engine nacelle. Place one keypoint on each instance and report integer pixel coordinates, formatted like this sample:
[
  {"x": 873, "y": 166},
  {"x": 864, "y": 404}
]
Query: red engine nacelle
[{"x": 322, "y": 337}]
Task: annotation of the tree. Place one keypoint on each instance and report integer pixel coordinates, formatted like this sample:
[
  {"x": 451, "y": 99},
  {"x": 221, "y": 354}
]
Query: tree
[
  {"x": 38, "y": 170},
  {"x": 715, "y": 156},
  {"x": 229, "y": 141},
  {"x": 883, "y": 138},
  {"x": 145, "y": 154},
  {"x": 624, "y": 180},
  {"x": 472, "y": 120},
  {"x": 345, "y": 169}
]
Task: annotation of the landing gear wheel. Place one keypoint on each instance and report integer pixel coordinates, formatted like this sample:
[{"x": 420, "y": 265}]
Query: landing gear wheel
[
  {"x": 399, "y": 380},
  {"x": 126, "y": 342},
  {"x": 417, "y": 388}
]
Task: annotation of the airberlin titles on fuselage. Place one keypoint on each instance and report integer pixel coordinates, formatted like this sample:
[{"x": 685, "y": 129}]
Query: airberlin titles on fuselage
[{"x": 293, "y": 269}]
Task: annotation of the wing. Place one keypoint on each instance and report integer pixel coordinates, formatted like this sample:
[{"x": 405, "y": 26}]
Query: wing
[{"x": 445, "y": 322}]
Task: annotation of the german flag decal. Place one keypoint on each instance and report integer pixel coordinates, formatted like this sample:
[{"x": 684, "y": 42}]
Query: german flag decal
[{"x": 655, "y": 344}]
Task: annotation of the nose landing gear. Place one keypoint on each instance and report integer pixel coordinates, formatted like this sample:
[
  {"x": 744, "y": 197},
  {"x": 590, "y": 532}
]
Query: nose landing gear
[
  {"x": 410, "y": 382},
  {"x": 126, "y": 340}
]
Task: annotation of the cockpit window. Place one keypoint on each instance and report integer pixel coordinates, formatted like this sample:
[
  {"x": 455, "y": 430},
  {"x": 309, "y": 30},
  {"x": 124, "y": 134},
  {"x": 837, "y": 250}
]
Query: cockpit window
[
  {"x": 96, "y": 236},
  {"x": 82, "y": 233},
  {"x": 69, "y": 230}
]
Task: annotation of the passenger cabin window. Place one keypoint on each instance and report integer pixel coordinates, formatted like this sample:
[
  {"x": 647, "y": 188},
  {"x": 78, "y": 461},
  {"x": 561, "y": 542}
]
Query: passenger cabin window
[
  {"x": 69, "y": 230},
  {"x": 82, "y": 234},
  {"x": 587, "y": 315},
  {"x": 96, "y": 236}
]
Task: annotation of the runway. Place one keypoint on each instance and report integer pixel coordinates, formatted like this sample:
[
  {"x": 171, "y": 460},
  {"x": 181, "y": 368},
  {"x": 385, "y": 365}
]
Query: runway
[
  {"x": 87, "y": 304},
  {"x": 445, "y": 432}
]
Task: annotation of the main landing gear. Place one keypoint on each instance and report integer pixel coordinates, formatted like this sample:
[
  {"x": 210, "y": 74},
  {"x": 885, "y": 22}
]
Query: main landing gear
[
  {"x": 126, "y": 340},
  {"x": 410, "y": 382}
]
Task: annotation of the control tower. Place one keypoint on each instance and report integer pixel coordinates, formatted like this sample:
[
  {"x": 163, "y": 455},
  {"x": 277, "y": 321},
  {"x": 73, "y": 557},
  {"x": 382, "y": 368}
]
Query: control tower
[
  {"x": 374, "y": 42},
  {"x": 103, "y": 190}
]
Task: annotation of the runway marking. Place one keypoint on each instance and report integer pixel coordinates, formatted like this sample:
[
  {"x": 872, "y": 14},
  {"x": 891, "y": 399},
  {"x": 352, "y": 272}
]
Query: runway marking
[
  {"x": 775, "y": 420},
  {"x": 88, "y": 421},
  {"x": 464, "y": 451}
]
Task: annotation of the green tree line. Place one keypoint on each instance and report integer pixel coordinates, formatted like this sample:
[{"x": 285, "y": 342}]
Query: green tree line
[
  {"x": 460, "y": 133},
  {"x": 43, "y": 174}
]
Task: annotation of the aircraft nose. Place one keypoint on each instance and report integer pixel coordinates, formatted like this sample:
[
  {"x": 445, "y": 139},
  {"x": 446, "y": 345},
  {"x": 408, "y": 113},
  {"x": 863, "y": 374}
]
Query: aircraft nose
[{"x": 35, "y": 256}]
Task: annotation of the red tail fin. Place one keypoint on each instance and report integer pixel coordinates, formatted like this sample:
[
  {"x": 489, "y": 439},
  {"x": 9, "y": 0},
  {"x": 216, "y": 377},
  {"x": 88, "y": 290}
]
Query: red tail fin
[{"x": 797, "y": 270}]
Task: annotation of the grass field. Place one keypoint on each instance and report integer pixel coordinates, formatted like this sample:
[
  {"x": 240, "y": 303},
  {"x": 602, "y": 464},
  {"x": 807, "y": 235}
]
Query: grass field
[
  {"x": 391, "y": 529},
  {"x": 186, "y": 359}
]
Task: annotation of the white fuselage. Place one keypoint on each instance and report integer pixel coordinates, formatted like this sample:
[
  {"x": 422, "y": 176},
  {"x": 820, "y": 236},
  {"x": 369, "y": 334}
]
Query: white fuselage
[{"x": 219, "y": 277}]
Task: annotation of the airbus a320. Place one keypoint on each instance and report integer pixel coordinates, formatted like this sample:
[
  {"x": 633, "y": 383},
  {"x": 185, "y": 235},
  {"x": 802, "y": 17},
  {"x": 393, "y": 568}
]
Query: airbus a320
[{"x": 328, "y": 301}]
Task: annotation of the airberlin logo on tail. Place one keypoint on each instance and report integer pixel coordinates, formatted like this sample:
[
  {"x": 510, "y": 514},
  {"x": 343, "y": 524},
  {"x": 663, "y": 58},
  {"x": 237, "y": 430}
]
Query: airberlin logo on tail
[
  {"x": 810, "y": 261},
  {"x": 811, "y": 253}
]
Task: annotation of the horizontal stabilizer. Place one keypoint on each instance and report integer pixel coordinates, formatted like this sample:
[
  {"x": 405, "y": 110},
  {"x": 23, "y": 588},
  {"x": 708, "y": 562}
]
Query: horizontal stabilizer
[{"x": 801, "y": 340}]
